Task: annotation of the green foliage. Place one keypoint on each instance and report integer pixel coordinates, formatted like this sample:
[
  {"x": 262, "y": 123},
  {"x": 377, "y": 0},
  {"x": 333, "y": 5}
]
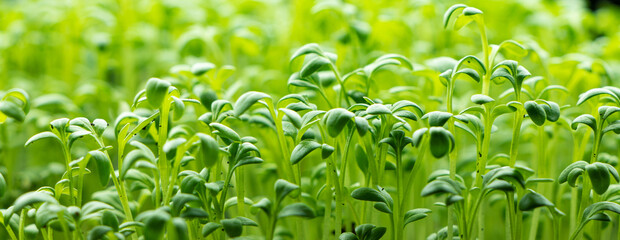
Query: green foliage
[{"x": 333, "y": 110}]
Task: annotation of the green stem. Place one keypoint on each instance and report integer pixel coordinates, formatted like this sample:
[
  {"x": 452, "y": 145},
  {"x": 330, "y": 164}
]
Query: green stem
[
  {"x": 117, "y": 183},
  {"x": 288, "y": 167},
  {"x": 240, "y": 191},
  {"x": 342, "y": 95},
  {"x": 398, "y": 209},
  {"x": 9, "y": 230},
  {"x": 516, "y": 131},
  {"x": 22, "y": 224},
  {"x": 67, "y": 154},
  {"x": 510, "y": 208},
  {"x": 163, "y": 136}
]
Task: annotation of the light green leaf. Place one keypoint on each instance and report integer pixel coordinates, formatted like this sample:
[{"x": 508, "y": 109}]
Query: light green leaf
[
  {"x": 225, "y": 132},
  {"x": 247, "y": 100}
]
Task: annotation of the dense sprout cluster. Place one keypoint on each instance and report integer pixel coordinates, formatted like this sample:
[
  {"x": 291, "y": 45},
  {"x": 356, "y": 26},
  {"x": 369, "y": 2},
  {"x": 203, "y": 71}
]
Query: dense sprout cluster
[{"x": 498, "y": 140}]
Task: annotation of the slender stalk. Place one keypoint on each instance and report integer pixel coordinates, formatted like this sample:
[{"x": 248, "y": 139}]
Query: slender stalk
[
  {"x": 67, "y": 154},
  {"x": 542, "y": 165},
  {"x": 9, "y": 230},
  {"x": 22, "y": 224},
  {"x": 163, "y": 137},
  {"x": 397, "y": 215}
]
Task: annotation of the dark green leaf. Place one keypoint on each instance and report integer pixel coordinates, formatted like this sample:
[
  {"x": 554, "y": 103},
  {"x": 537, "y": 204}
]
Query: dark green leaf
[
  {"x": 336, "y": 119},
  {"x": 586, "y": 119},
  {"x": 536, "y": 112},
  {"x": 313, "y": 66},
  {"x": 441, "y": 141},
  {"x": 599, "y": 176},
  {"x": 156, "y": 91},
  {"x": 209, "y": 149},
  {"x": 232, "y": 227},
  {"x": 297, "y": 210},
  {"x": 283, "y": 188},
  {"x": 302, "y": 150},
  {"x": 210, "y": 228},
  {"x": 481, "y": 99},
  {"x": 532, "y": 200},
  {"x": 367, "y": 194}
]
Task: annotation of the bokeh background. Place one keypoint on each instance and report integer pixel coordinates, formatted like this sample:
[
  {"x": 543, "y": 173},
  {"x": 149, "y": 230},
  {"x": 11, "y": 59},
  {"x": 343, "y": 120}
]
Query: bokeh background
[{"x": 89, "y": 58}]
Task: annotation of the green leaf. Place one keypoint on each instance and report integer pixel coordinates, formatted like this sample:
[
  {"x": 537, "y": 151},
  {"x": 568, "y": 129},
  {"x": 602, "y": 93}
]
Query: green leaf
[
  {"x": 246, "y": 221},
  {"x": 536, "y": 112},
  {"x": 441, "y": 141},
  {"x": 179, "y": 200},
  {"x": 310, "y": 48},
  {"x": 313, "y": 66},
  {"x": 180, "y": 229},
  {"x": 225, "y": 132},
  {"x": 199, "y": 69},
  {"x": 347, "y": 236},
  {"x": 99, "y": 232},
  {"x": 576, "y": 165},
  {"x": 248, "y": 160},
  {"x": 42, "y": 135},
  {"x": 367, "y": 194},
  {"x": 472, "y": 63},
  {"x": 501, "y": 185},
  {"x": 99, "y": 125},
  {"x": 450, "y": 12},
  {"x": 232, "y": 227},
  {"x": 437, "y": 118},
  {"x": 595, "y": 92},
  {"x": 378, "y": 109},
  {"x": 109, "y": 219},
  {"x": 129, "y": 160},
  {"x": 470, "y": 11},
  {"x": 481, "y": 99},
  {"x": 298, "y": 210},
  {"x": 512, "y": 49},
  {"x": 599, "y": 176},
  {"x": 438, "y": 187},
  {"x": 302, "y": 150},
  {"x": 415, "y": 215},
  {"x": 209, "y": 149},
  {"x": 264, "y": 204},
  {"x": 586, "y": 119},
  {"x": 382, "y": 207},
  {"x": 210, "y": 228},
  {"x": 156, "y": 91},
  {"x": 336, "y": 119},
  {"x": 552, "y": 110},
  {"x": 247, "y": 100},
  {"x": 532, "y": 200},
  {"x": 12, "y": 110},
  {"x": 154, "y": 223},
  {"x": 326, "y": 151},
  {"x": 30, "y": 198},
  {"x": 102, "y": 162},
  {"x": 283, "y": 188}
]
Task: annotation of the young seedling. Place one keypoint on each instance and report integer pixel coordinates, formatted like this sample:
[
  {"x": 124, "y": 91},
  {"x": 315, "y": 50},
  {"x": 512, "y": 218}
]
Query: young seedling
[{"x": 274, "y": 211}]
